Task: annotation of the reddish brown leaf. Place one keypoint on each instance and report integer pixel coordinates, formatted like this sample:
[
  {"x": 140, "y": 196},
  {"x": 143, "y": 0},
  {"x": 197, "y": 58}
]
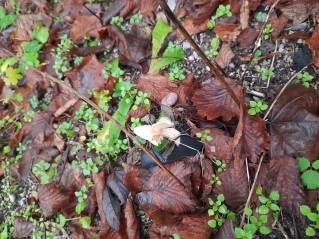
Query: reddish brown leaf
[
  {"x": 227, "y": 32},
  {"x": 199, "y": 10},
  {"x": 146, "y": 7},
  {"x": 284, "y": 177},
  {"x": 226, "y": 230},
  {"x": 218, "y": 148},
  {"x": 244, "y": 14},
  {"x": 139, "y": 113},
  {"x": 68, "y": 10},
  {"x": 111, "y": 209},
  {"x": 159, "y": 86},
  {"x": 100, "y": 182},
  {"x": 132, "y": 180},
  {"x": 251, "y": 137},
  {"x": 212, "y": 99},
  {"x": 191, "y": 28},
  {"x": 247, "y": 37},
  {"x": 130, "y": 229},
  {"x": 34, "y": 79},
  {"x": 106, "y": 232},
  {"x": 166, "y": 193},
  {"x": 207, "y": 169},
  {"x": 234, "y": 183},
  {"x": 78, "y": 232},
  {"x": 52, "y": 198},
  {"x": 188, "y": 226},
  {"x": 113, "y": 10},
  {"x": 134, "y": 46},
  {"x": 115, "y": 182},
  {"x": 89, "y": 76},
  {"x": 313, "y": 43},
  {"x": 22, "y": 227},
  {"x": 225, "y": 56},
  {"x": 278, "y": 24},
  {"x": 294, "y": 123},
  {"x": 85, "y": 26}
]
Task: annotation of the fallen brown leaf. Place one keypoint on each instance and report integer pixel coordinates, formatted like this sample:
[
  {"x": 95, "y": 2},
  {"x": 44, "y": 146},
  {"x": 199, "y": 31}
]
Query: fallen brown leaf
[
  {"x": 226, "y": 230},
  {"x": 313, "y": 43},
  {"x": 247, "y": 37},
  {"x": 115, "y": 183},
  {"x": 85, "y": 26},
  {"x": 225, "y": 56},
  {"x": 22, "y": 227},
  {"x": 278, "y": 24},
  {"x": 131, "y": 227},
  {"x": 201, "y": 10},
  {"x": 227, "y": 32},
  {"x": 192, "y": 28},
  {"x": 212, "y": 99}
]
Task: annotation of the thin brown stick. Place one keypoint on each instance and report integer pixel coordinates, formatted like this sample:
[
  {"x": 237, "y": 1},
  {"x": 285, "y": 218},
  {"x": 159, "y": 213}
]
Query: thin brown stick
[
  {"x": 107, "y": 115},
  {"x": 272, "y": 64},
  {"x": 214, "y": 67},
  {"x": 251, "y": 191}
]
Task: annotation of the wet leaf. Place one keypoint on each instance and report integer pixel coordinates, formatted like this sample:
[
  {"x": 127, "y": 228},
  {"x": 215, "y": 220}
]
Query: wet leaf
[
  {"x": 52, "y": 198},
  {"x": 78, "y": 232},
  {"x": 226, "y": 230},
  {"x": 278, "y": 24},
  {"x": 251, "y": 137},
  {"x": 227, "y": 32},
  {"x": 313, "y": 43},
  {"x": 22, "y": 227},
  {"x": 225, "y": 56},
  {"x": 111, "y": 209},
  {"x": 212, "y": 99},
  {"x": 132, "y": 229},
  {"x": 192, "y": 28},
  {"x": 85, "y": 26},
  {"x": 115, "y": 183},
  {"x": 113, "y": 10},
  {"x": 132, "y": 180},
  {"x": 234, "y": 185},
  {"x": 166, "y": 193},
  {"x": 294, "y": 124},
  {"x": 88, "y": 76},
  {"x": 247, "y": 37},
  {"x": 199, "y": 11}
]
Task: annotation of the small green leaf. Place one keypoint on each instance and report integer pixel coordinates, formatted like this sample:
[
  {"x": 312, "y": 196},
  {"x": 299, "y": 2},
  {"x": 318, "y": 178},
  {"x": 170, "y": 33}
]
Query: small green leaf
[
  {"x": 176, "y": 236},
  {"x": 221, "y": 198},
  {"x": 263, "y": 199},
  {"x": 310, "y": 179},
  {"x": 263, "y": 209},
  {"x": 303, "y": 164},
  {"x": 222, "y": 209},
  {"x": 239, "y": 233},
  {"x": 310, "y": 232},
  {"x": 62, "y": 220},
  {"x": 12, "y": 77},
  {"x": 212, "y": 223},
  {"x": 264, "y": 230},
  {"x": 304, "y": 209},
  {"x": 248, "y": 211},
  {"x": 315, "y": 164},
  {"x": 312, "y": 216},
  {"x": 253, "y": 103},
  {"x": 259, "y": 190},
  {"x": 274, "y": 207},
  {"x": 263, "y": 218},
  {"x": 85, "y": 222},
  {"x": 274, "y": 195}
]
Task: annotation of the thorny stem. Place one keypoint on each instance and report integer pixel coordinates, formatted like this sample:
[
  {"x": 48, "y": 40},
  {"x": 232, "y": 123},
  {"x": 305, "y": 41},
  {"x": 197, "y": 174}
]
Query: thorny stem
[
  {"x": 108, "y": 116},
  {"x": 212, "y": 65}
]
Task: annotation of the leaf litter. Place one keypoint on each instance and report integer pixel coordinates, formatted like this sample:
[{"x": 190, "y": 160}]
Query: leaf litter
[{"x": 114, "y": 61}]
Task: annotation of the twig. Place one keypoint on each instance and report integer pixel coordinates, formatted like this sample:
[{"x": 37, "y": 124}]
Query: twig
[
  {"x": 211, "y": 64},
  {"x": 107, "y": 115},
  {"x": 282, "y": 90},
  {"x": 251, "y": 191},
  {"x": 261, "y": 32},
  {"x": 272, "y": 63}
]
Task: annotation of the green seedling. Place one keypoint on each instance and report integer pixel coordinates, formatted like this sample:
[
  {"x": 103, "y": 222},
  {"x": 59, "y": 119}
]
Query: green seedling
[
  {"x": 313, "y": 228},
  {"x": 265, "y": 73},
  {"x": 136, "y": 19},
  {"x": 305, "y": 79},
  {"x": 257, "y": 107},
  {"x": 204, "y": 136},
  {"x": 81, "y": 196},
  {"x": 267, "y": 31},
  {"x": 176, "y": 72},
  {"x": 214, "y": 46},
  {"x": 221, "y": 11},
  {"x": 257, "y": 54},
  {"x": 309, "y": 172}
]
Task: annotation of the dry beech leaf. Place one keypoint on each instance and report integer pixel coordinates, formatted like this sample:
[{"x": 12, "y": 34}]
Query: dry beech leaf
[
  {"x": 225, "y": 56},
  {"x": 227, "y": 32},
  {"x": 201, "y": 10},
  {"x": 85, "y": 26},
  {"x": 134, "y": 46},
  {"x": 132, "y": 180},
  {"x": 191, "y": 28},
  {"x": 159, "y": 86},
  {"x": 131, "y": 227},
  {"x": 226, "y": 230},
  {"x": 78, "y": 232},
  {"x": 22, "y": 227},
  {"x": 146, "y": 7},
  {"x": 188, "y": 226},
  {"x": 294, "y": 123},
  {"x": 139, "y": 113},
  {"x": 88, "y": 76},
  {"x": 166, "y": 193},
  {"x": 313, "y": 43},
  {"x": 99, "y": 183},
  {"x": 52, "y": 198},
  {"x": 115, "y": 182},
  {"x": 234, "y": 183},
  {"x": 111, "y": 209},
  {"x": 212, "y": 100},
  {"x": 251, "y": 137},
  {"x": 244, "y": 14},
  {"x": 284, "y": 177},
  {"x": 278, "y": 24},
  {"x": 247, "y": 37}
]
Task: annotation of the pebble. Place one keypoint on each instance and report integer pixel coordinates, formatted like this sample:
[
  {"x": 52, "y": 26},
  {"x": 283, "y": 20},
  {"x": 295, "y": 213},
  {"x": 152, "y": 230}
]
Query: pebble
[
  {"x": 170, "y": 99},
  {"x": 186, "y": 45},
  {"x": 12, "y": 198},
  {"x": 191, "y": 58},
  {"x": 195, "y": 55}
]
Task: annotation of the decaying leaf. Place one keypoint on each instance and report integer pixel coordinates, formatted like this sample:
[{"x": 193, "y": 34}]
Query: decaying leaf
[
  {"x": 226, "y": 230},
  {"x": 234, "y": 183},
  {"x": 115, "y": 182},
  {"x": 111, "y": 209},
  {"x": 225, "y": 56},
  {"x": 78, "y": 232},
  {"x": 85, "y": 26},
  {"x": 251, "y": 137},
  {"x": 277, "y": 24},
  {"x": 199, "y": 10},
  {"x": 52, "y": 198},
  {"x": 191, "y": 28},
  {"x": 294, "y": 123},
  {"x": 313, "y": 43},
  {"x": 166, "y": 193},
  {"x": 22, "y": 227},
  {"x": 131, "y": 228},
  {"x": 247, "y": 37},
  {"x": 212, "y": 99},
  {"x": 227, "y": 32}
]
